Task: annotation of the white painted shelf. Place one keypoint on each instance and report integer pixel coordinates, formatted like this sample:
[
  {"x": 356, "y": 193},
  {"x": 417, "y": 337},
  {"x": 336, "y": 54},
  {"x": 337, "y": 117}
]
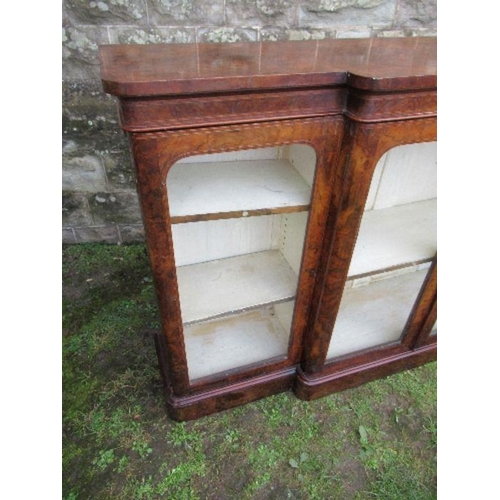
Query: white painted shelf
[
  {"x": 226, "y": 286},
  {"x": 234, "y": 341},
  {"x": 374, "y": 314},
  {"x": 204, "y": 191},
  {"x": 394, "y": 236}
]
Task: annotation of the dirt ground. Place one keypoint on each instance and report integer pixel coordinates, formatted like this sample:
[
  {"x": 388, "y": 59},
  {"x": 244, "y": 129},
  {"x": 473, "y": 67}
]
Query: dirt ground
[{"x": 376, "y": 441}]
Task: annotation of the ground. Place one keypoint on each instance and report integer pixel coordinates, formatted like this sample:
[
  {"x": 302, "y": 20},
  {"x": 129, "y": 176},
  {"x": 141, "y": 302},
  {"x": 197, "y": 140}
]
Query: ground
[{"x": 375, "y": 441}]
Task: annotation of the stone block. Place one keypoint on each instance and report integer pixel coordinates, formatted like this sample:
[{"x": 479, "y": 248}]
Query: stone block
[
  {"x": 333, "y": 13},
  {"x": 132, "y": 233},
  {"x": 107, "y": 12},
  {"x": 115, "y": 208},
  {"x": 261, "y": 13},
  {"x": 392, "y": 33},
  {"x": 417, "y": 14},
  {"x": 97, "y": 234},
  {"x": 406, "y": 32},
  {"x": 274, "y": 34},
  {"x": 68, "y": 236},
  {"x": 120, "y": 171},
  {"x": 87, "y": 111},
  {"x": 99, "y": 144},
  {"x": 348, "y": 32},
  {"x": 227, "y": 35},
  {"x": 75, "y": 210},
  {"x": 186, "y": 12},
  {"x": 80, "y": 57},
  {"x": 152, "y": 35},
  {"x": 83, "y": 174}
]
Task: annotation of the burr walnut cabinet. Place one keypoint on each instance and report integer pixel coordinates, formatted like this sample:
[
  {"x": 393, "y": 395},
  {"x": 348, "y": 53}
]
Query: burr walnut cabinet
[{"x": 290, "y": 224}]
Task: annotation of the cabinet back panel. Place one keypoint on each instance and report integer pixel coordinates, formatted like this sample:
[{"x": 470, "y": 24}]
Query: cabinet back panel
[
  {"x": 374, "y": 314},
  {"x": 247, "y": 154},
  {"x": 196, "y": 242},
  {"x": 235, "y": 341},
  {"x": 303, "y": 158},
  {"x": 293, "y": 232},
  {"x": 395, "y": 236},
  {"x": 403, "y": 175},
  {"x": 241, "y": 186},
  {"x": 225, "y": 286}
]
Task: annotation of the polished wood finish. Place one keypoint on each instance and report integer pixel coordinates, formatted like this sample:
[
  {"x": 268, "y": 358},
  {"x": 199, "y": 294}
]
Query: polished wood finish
[
  {"x": 351, "y": 100},
  {"x": 364, "y": 144},
  {"x": 309, "y": 387},
  {"x": 376, "y": 64},
  {"x": 175, "y": 86},
  {"x": 157, "y": 153}
]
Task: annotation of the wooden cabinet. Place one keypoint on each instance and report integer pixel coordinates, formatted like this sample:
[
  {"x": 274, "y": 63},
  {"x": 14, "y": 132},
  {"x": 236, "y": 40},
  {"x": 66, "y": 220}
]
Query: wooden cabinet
[{"x": 283, "y": 257}]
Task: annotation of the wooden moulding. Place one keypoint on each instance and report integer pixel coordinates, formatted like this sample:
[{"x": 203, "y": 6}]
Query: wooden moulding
[
  {"x": 223, "y": 397},
  {"x": 169, "y": 113},
  {"x": 174, "y": 86},
  {"x": 332, "y": 379},
  {"x": 236, "y": 214},
  {"x": 155, "y": 113},
  {"x": 213, "y": 401},
  {"x": 370, "y": 107}
]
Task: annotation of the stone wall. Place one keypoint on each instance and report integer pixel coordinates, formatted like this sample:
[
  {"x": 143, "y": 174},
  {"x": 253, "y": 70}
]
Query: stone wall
[{"x": 99, "y": 199}]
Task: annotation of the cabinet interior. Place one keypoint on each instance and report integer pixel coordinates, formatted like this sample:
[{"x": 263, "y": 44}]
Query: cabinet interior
[
  {"x": 396, "y": 243},
  {"x": 238, "y": 227}
]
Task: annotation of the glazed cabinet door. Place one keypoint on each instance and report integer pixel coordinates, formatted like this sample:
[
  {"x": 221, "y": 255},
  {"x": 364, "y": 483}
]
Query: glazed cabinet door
[
  {"x": 375, "y": 304},
  {"x": 395, "y": 246},
  {"x": 235, "y": 217},
  {"x": 238, "y": 226}
]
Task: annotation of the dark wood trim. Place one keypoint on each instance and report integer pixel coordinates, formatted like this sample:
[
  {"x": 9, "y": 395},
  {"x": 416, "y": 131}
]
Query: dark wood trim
[
  {"x": 212, "y": 394},
  {"x": 363, "y": 146},
  {"x": 229, "y": 396},
  {"x": 387, "y": 269},
  {"x": 179, "y": 112},
  {"x": 424, "y": 336},
  {"x": 154, "y": 204},
  {"x": 181, "y": 219},
  {"x": 416, "y": 327},
  {"x": 429, "y": 340},
  {"x": 331, "y": 380},
  {"x": 369, "y": 107}
]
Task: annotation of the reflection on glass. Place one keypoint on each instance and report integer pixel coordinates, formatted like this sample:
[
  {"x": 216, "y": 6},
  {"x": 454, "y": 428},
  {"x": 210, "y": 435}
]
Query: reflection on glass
[
  {"x": 239, "y": 223},
  {"x": 394, "y": 249},
  {"x": 434, "y": 329}
]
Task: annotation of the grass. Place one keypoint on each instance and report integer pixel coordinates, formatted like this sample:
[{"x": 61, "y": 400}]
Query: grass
[{"x": 376, "y": 441}]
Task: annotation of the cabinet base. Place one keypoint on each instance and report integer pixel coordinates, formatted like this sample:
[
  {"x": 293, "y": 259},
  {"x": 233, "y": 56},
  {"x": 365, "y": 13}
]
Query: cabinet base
[
  {"x": 208, "y": 401},
  {"x": 309, "y": 387},
  {"x": 223, "y": 398}
]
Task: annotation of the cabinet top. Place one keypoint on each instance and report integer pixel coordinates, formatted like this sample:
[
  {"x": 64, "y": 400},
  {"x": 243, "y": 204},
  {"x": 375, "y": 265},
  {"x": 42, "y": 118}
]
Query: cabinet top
[{"x": 374, "y": 64}]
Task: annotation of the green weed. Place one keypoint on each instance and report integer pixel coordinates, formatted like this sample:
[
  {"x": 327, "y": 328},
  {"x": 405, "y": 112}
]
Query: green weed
[
  {"x": 105, "y": 458},
  {"x": 119, "y": 443}
]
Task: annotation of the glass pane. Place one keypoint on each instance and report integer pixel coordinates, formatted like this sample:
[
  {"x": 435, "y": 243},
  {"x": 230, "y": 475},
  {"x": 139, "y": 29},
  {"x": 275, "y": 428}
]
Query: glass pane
[
  {"x": 394, "y": 249},
  {"x": 434, "y": 330},
  {"x": 239, "y": 223}
]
